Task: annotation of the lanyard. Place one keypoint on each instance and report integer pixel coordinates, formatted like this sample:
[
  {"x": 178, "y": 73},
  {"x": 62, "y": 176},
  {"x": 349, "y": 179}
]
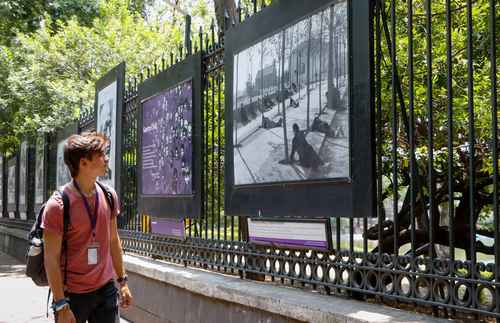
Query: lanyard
[{"x": 92, "y": 218}]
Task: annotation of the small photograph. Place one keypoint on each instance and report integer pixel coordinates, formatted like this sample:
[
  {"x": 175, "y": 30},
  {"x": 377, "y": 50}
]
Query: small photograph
[
  {"x": 106, "y": 112},
  {"x": 291, "y": 103},
  {"x": 22, "y": 172},
  {"x": 39, "y": 166},
  {"x": 167, "y": 142},
  {"x": 63, "y": 174},
  {"x": 11, "y": 185}
]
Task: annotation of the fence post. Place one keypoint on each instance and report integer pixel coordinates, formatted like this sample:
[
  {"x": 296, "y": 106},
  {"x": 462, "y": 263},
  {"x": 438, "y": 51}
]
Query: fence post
[{"x": 187, "y": 35}]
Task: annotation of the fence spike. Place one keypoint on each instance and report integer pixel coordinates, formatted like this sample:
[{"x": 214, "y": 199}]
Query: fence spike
[
  {"x": 212, "y": 31},
  {"x": 201, "y": 38},
  {"x": 162, "y": 62},
  {"x": 171, "y": 58}
]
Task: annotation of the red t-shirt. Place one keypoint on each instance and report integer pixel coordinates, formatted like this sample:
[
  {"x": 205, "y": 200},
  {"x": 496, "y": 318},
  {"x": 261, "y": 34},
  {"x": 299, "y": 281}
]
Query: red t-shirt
[{"x": 82, "y": 277}]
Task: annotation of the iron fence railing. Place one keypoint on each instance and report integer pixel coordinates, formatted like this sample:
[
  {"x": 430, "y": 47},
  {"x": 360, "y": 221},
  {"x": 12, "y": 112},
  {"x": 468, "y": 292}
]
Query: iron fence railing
[{"x": 432, "y": 243}]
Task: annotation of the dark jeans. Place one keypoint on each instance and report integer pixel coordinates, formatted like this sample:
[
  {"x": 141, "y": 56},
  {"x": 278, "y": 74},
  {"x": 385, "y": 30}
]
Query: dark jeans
[{"x": 100, "y": 306}]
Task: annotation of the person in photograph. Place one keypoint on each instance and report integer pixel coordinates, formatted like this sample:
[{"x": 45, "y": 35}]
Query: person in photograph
[
  {"x": 269, "y": 124},
  {"x": 322, "y": 126},
  {"x": 94, "y": 253},
  {"x": 174, "y": 185},
  {"x": 186, "y": 172},
  {"x": 307, "y": 156}
]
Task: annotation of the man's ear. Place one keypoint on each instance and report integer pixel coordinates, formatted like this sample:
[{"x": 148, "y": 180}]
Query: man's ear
[{"x": 83, "y": 162}]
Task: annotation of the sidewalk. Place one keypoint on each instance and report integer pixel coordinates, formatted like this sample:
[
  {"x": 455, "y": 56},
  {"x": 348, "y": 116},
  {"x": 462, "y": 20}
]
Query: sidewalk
[{"x": 21, "y": 301}]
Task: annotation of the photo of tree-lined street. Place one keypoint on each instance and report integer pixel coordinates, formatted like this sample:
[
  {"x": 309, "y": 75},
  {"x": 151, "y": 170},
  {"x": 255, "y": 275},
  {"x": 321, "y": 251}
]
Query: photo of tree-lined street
[{"x": 291, "y": 103}]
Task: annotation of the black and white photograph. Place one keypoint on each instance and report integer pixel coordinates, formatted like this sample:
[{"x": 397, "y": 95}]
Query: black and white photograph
[
  {"x": 63, "y": 175},
  {"x": 11, "y": 187},
  {"x": 106, "y": 114},
  {"x": 291, "y": 103},
  {"x": 39, "y": 170},
  {"x": 23, "y": 155}
]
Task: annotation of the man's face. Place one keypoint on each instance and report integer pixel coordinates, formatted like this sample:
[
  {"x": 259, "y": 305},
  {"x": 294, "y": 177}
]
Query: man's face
[{"x": 96, "y": 166}]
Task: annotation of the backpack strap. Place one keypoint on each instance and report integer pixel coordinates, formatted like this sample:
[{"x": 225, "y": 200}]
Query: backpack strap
[
  {"x": 66, "y": 220},
  {"x": 109, "y": 196}
]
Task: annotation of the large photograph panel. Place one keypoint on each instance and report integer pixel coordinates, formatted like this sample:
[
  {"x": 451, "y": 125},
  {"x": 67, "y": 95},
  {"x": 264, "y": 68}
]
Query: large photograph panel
[
  {"x": 63, "y": 175},
  {"x": 106, "y": 116},
  {"x": 167, "y": 142},
  {"x": 39, "y": 171},
  {"x": 291, "y": 103},
  {"x": 22, "y": 173},
  {"x": 11, "y": 187}
]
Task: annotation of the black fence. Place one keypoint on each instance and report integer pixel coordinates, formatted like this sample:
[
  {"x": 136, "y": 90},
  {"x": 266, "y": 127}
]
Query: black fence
[{"x": 431, "y": 242}]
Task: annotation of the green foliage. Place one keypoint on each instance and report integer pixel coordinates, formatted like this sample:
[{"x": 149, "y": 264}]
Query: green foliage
[
  {"x": 48, "y": 74},
  {"x": 435, "y": 85}
]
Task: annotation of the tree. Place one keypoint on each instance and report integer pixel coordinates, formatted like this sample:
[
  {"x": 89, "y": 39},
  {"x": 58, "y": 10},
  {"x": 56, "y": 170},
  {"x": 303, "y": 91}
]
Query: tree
[
  {"x": 48, "y": 73},
  {"x": 17, "y": 16}
]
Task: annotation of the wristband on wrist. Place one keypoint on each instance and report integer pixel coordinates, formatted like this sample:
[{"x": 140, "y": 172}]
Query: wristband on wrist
[
  {"x": 60, "y": 305},
  {"x": 122, "y": 280}
]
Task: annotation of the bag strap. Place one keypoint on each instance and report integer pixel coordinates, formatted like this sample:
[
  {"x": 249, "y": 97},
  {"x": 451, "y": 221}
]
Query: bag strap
[
  {"x": 66, "y": 221},
  {"x": 109, "y": 196}
]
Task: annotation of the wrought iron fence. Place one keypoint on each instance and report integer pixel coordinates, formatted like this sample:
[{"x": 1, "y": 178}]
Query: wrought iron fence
[{"x": 432, "y": 243}]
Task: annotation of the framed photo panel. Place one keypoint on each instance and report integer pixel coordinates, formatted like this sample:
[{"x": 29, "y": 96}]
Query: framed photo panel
[
  {"x": 12, "y": 186},
  {"x": 108, "y": 111},
  {"x": 299, "y": 128},
  {"x": 63, "y": 175},
  {"x": 169, "y": 161},
  {"x": 24, "y": 153},
  {"x": 40, "y": 172}
]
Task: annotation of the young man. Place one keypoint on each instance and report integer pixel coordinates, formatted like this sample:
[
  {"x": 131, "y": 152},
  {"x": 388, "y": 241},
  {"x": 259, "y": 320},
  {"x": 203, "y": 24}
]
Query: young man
[{"x": 94, "y": 255}]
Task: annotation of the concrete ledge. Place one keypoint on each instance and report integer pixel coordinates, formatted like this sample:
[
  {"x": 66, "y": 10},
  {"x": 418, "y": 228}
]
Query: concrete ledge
[
  {"x": 165, "y": 292},
  {"x": 14, "y": 242},
  {"x": 284, "y": 301}
]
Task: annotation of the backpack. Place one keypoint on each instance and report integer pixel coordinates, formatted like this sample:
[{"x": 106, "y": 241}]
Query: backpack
[{"x": 35, "y": 266}]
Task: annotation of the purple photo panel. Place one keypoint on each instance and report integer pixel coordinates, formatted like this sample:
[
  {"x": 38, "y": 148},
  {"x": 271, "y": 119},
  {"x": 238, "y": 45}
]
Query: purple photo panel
[{"x": 167, "y": 142}]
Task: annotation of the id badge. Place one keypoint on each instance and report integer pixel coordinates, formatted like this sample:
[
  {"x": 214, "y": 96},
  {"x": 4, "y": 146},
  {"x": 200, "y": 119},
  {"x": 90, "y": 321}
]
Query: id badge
[{"x": 93, "y": 254}]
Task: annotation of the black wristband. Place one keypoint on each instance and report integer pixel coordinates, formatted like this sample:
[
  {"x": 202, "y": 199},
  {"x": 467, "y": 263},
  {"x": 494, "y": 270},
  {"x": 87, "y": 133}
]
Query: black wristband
[{"x": 122, "y": 280}]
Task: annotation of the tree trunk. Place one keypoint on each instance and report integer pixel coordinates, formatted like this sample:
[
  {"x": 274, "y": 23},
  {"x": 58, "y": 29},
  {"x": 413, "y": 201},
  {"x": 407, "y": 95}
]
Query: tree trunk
[{"x": 225, "y": 11}]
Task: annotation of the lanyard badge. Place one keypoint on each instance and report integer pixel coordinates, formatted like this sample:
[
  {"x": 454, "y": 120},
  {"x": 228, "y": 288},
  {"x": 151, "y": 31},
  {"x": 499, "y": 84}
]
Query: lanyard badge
[{"x": 93, "y": 248}]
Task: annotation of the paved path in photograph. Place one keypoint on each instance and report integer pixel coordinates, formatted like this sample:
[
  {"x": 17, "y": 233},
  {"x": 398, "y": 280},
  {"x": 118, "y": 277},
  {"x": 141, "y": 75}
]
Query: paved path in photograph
[{"x": 21, "y": 301}]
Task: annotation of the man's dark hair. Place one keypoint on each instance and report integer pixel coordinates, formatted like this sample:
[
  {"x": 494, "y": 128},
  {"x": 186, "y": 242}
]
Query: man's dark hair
[
  {"x": 295, "y": 127},
  {"x": 81, "y": 146}
]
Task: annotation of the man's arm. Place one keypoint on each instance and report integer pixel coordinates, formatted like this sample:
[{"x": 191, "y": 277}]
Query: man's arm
[
  {"x": 52, "y": 256},
  {"x": 116, "y": 256},
  {"x": 52, "y": 259}
]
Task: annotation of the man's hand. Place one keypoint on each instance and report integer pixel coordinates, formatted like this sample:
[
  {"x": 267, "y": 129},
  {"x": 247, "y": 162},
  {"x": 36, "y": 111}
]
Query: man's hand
[
  {"x": 125, "y": 296},
  {"x": 65, "y": 316}
]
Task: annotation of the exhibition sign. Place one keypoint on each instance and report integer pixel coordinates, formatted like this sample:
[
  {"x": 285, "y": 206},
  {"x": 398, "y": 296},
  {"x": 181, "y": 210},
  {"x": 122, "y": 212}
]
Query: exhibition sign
[
  {"x": 108, "y": 112},
  {"x": 173, "y": 228},
  {"x": 170, "y": 141},
  {"x": 167, "y": 142},
  {"x": 298, "y": 116},
  {"x": 286, "y": 233}
]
